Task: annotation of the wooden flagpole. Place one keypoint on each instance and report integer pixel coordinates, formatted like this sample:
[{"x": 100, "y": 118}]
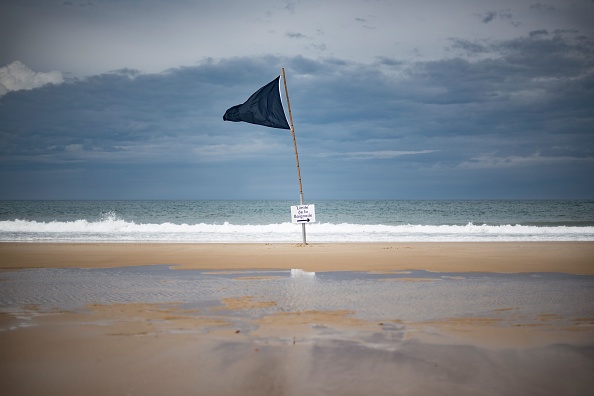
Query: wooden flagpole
[{"x": 296, "y": 153}]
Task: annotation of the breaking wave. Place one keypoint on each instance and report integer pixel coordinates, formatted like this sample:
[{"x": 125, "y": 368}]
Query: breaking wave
[{"x": 110, "y": 228}]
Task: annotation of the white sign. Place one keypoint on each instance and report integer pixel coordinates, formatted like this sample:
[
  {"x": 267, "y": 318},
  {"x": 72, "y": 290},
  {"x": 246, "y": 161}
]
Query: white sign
[{"x": 303, "y": 214}]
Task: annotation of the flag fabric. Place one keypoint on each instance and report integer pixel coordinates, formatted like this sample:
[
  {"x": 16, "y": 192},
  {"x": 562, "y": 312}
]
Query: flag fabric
[{"x": 264, "y": 107}]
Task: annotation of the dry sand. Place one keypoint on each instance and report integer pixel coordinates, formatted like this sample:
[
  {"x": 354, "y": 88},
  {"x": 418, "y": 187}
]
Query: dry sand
[
  {"x": 504, "y": 257},
  {"x": 156, "y": 349}
]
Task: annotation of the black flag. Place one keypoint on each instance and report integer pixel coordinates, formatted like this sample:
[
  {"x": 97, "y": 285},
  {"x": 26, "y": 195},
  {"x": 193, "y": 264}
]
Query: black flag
[{"x": 264, "y": 107}]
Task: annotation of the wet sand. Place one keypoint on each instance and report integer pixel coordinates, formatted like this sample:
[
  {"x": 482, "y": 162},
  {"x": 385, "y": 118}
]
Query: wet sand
[{"x": 153, "y": 349}]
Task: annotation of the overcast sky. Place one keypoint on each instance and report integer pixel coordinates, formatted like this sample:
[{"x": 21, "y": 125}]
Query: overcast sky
[{"x": 412, "y": 99}]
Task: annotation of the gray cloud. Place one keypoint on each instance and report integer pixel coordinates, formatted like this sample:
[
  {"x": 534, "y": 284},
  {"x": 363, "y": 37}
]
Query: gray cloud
[
  {"x": 296, "y": 35},
  {"x": 541, "y": 6},
  {"x": 490, "y": 16},
  {"x": 80, "y": 39},
  {"x": 515, "y": 120},
  {"x": 536, "y": 33}
]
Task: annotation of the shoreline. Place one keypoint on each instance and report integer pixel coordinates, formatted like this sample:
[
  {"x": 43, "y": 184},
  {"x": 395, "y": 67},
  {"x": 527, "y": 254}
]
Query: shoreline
[{"x": 501, "y": 257}]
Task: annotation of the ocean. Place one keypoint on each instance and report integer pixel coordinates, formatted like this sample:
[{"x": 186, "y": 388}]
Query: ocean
[{"x": 220, "y": 221}]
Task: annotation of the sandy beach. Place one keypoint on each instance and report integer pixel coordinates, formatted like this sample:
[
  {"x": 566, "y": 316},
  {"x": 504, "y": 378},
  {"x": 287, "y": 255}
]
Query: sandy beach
[
  {"x": 506, "y": 257},
  {"x": 250, "y": 343}
]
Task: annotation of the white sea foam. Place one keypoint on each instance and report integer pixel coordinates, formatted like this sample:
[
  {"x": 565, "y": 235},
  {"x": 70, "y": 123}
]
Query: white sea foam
[{"x": 112, "y": 229}]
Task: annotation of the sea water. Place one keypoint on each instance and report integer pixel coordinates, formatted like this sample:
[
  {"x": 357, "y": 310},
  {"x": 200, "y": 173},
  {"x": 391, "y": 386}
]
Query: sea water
[{"x": 218, "y": 221}]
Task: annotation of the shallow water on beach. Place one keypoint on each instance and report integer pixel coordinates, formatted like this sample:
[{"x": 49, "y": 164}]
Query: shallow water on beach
[
  {"x": 287, "y": 332},
  {"x": 403, "y": 296}
]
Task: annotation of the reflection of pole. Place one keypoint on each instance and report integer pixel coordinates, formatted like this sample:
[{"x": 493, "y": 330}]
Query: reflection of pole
[{"x": 296, "y": 154}]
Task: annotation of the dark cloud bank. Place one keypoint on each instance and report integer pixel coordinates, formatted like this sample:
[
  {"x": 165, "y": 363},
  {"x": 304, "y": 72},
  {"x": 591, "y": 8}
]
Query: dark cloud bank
[{"x": 510, "y": 119}]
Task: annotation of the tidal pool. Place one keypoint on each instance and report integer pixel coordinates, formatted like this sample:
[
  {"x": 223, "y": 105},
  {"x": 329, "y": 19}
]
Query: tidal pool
[{"x": 404, "y": 296}]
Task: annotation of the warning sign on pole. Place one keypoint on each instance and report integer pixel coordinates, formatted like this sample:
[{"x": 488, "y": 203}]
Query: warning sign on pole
[{"x": 302, "y": 214}]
